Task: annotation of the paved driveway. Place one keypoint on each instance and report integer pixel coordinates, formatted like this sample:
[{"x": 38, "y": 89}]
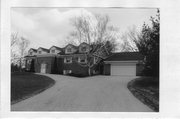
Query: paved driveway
[{"x": 98, "y": 93}]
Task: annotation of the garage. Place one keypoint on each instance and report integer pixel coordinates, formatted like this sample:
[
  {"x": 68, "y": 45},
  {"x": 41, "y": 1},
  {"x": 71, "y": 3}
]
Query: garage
[
  {"x": 123, "y": 64},
  {"x": 123, "y": 69}
]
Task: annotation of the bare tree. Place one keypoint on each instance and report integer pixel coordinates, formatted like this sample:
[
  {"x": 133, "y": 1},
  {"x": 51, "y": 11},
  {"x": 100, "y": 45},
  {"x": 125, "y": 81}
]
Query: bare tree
[
  {"x": 18, "y": 49},
  {"x": 95, "y": 32},
  {"x": 23, "y": 44},
  {"x": 129, "y": 39},
  {"x": 14, "y": 42}
]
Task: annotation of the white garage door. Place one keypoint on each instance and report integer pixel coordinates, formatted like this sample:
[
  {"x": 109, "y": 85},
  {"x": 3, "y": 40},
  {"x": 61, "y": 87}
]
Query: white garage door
[{"x": 123, "y": 70}]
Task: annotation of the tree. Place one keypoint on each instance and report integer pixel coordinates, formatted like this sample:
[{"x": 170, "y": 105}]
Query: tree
[
  {"x": 94, "y": 31},
  {"x": 148, "y": 45},
  {"x": 23, "y": 44},
  {"x": 14, "y": 42},
  {"x": 129, "y": 39},
  {"x": 19, "y": 46}
]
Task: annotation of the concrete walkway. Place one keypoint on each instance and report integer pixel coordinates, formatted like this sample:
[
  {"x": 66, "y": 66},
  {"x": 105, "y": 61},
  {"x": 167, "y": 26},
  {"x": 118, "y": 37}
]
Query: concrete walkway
[{"x": 98, "y": 93}]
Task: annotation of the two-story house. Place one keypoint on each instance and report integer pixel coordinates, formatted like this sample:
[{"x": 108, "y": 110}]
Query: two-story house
[{"x": 70, "y": 59}]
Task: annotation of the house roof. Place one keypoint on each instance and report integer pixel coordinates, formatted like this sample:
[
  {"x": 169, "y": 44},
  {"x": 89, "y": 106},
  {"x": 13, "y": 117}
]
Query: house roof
[
  {"x": 33, "y": 49},
  {"x": 125, "y": 56},
  {"x": 44, "y": 49},
  {"x": 56, "y": 47},
  {"x": 72, "y": 46}
]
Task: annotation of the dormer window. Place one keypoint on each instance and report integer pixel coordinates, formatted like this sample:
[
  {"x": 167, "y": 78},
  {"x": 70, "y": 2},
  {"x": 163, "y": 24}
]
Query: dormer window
[
  {"x": 39, "y": 52},
  {"x": 52, "y": 51},
  {"x": 69, "y": 50},
  {"x": 83, "y": 49},
  {"x": 31, "y": 53}
]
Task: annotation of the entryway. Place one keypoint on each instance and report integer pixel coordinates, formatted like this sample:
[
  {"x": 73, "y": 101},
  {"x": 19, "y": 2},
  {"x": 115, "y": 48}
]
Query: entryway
[{"x": 43, "y": 67}]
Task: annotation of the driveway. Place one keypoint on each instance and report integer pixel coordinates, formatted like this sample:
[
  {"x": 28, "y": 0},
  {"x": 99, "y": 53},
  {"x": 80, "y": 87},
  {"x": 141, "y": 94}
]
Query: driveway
[{"x": 97, "y": 93}]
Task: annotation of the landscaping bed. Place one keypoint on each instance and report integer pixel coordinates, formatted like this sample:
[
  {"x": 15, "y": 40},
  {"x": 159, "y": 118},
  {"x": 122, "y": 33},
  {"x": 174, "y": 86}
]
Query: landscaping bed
[
  {"x": 146, "y": 90},
  {"x": 25, "y": 85}
]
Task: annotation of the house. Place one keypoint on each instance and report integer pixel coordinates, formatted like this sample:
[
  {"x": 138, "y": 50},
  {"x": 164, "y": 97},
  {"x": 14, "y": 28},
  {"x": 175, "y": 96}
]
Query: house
[
  {"x": 124, "y": 64},
  {"x": 72, "y": 60},
  {"x": 68, "y": 60}
]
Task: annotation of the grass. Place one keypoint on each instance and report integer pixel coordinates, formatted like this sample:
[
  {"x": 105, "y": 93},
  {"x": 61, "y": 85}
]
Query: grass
[
  {"x": 25, "y": 85},
  {"x": 146, "y": 89}
]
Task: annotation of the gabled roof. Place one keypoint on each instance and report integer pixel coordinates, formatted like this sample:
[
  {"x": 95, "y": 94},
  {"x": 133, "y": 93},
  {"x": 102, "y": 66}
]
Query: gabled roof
[
  {"x": 43, "y": 49},
  {"x": 83, "y": 43},
  {"x": 33, "y": 49},
  {"x": 72, "y": 46},
  {"x": 55, "y": 47},
  {"x": 125, "y": 56}
]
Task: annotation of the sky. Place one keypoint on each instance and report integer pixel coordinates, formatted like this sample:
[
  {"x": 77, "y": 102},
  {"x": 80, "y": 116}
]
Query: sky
[{"x": 45, "y": 27}]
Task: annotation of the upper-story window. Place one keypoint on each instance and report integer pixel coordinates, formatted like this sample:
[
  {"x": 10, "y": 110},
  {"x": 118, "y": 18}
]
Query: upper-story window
[
  {"x": 83, "y": 49},
  {"x": 82, "y": 59},
  {"x": 52, "y": 51},
  {"x": 39, "y": 52},
  {"x": 31, "y": 53},
  {"x": 68, "y": 60},
  {"x": 69, "y": 50}
]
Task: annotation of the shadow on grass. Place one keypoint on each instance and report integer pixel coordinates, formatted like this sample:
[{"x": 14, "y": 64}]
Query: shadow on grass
[{"x": 25, "y": 85}]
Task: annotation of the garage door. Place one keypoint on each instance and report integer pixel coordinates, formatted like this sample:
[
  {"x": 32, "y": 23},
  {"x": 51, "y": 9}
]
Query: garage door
[{"x": 123, "y": 70}]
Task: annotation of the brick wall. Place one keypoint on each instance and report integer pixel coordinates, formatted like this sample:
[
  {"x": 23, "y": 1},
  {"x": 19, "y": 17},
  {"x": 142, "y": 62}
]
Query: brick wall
[{"x": 47, "y": 60}]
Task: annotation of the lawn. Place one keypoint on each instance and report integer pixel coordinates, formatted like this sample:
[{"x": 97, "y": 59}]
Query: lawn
[
  {"x": 146, "y": 89},
  {"x": 24, "y": 85}
]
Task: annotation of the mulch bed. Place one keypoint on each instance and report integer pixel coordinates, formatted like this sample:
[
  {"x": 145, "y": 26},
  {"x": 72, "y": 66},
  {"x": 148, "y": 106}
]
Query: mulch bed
[
  {"x": 146, "y": 90},
  {"x": 25, "y": 85}
]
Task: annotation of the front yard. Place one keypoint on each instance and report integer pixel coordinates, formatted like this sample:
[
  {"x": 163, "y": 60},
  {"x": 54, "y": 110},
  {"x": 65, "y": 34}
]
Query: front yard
[
  {"x": 24, "y": 85},
  {"x": 146, "y": 90}
]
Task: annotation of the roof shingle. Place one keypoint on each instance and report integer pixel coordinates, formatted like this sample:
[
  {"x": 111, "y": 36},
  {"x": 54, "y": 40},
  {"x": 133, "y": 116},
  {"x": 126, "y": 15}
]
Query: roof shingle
[{"x": 125, "y": 56}]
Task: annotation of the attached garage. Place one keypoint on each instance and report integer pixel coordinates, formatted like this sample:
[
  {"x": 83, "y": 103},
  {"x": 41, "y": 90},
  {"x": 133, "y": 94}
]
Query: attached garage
[{"x": 123, "y": 64}]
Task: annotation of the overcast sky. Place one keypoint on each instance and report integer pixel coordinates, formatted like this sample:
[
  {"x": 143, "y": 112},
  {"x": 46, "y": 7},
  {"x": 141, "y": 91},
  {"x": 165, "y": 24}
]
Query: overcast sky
[{"x": 45, "y": 27}]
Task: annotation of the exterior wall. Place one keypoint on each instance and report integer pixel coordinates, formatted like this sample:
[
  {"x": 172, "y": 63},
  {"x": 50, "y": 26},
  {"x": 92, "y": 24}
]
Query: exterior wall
[
  {"x": 47, "y": 60},
  {"x": 75, "y": 67},
  {"x": 60, "y": 63},
  {"x": 107, "y": 69}
]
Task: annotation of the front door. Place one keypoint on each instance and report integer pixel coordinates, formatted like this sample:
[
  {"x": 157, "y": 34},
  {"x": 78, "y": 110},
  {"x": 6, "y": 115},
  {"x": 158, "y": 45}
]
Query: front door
[{"x": 43, "y": 68}]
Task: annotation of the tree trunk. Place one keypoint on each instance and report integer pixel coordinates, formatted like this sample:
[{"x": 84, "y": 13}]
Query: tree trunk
[
  {"x": 89, "y": 71},
  {"x": 20, "y": 65}
]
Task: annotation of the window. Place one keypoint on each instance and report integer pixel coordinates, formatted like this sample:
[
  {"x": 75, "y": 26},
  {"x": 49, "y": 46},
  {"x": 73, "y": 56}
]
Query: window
[
  {"x": 82, "y": 59},
  {"x": 68, "y": 60},
  {"x": 52, "y": 51},
  {"x": 31, "y": 53},
  {"x": 83, "y": 49},
  {"x": 69, "y": 50},
  {"x": 39, "y": 52},
  {"x": 67, "y": 72}
]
